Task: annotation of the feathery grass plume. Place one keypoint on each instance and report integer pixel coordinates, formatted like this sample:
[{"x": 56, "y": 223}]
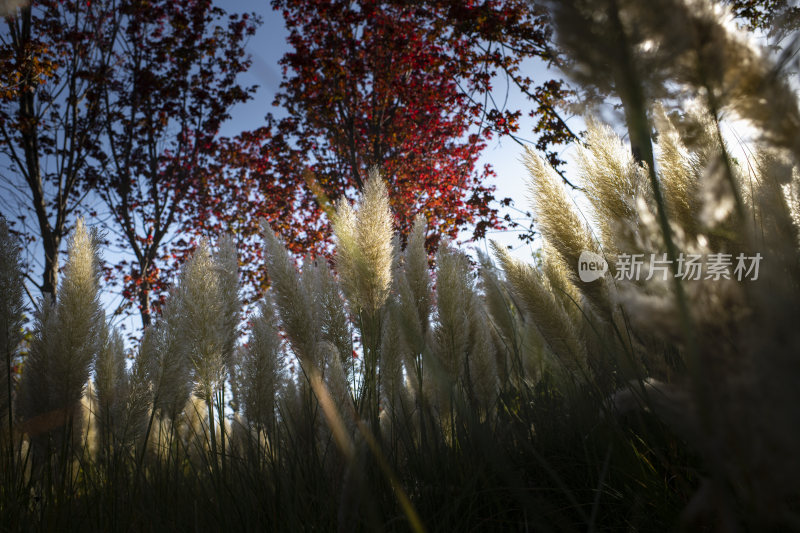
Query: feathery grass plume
[
  {"x": 161, "y": 381},
  {"x": 202, "y": 322},
  {"x": 300, "y": 318},
  {"x": 335, "y": 379},
  {"x": 747, "y": 340},
  {"x": 394, "y": 351},
  {"x": 80, "y": 316},
  {"x": 226, "y": 265},
  {"x": 294, "y": 303},
  {"x": 244, "y": 441},
  {"x": 364, "y": 247},
  {"x": 290, "y": 403},
  {"x": 630, "y": 46},
  {"x": 775, "y": 204},
  {"x": 519, "y": 345},
  {"x": 454, "y": 303},
  {"x": 111, "y": 392},
  {"x": 741, "y": 333},
  {"x": 262, "y": 369},
  {"x": 562, "y": 227},
  {"x": 728, "y": 65},
  {"x": 411, "y": 281},
  {"x": 481, "y": 366},
  {"x": 364, "y": 263},
  {"x": 330, "y": 310},
  {"x": 194, "y": 431},
  {"x": 235, "y": 378},
  {"x": 558, "y": 280},
  {"x": 698, "y": 187},
  {"x": 710, "y": 58},
  {"x": 549, "y": 316},
  {"x": 34, "y": 401},
  {"x": 139, "y": 402},
  {"x": 417, "y": 277},
  {"x": 504, "y": 318},
  {"x": 209, "y": 314},
  {"x": 69, "y": 334},
  {"x": 610, "y": 51},
  {"x": 697, "y": 133},
  {"x": 719, "y": 198},
  {"x": 463, "y": 341},
  {"x": 88, "y": 431},
  {"x": 766, "y": 383},
  {"x": 612, "y": 178},
  {"x": 677, "y": 169},
  {"x": 612, "y": 40},
  {"x": 161, "y": 441},
  {"x": 536, "y": 358},
  {"x": 11, "y": 321},
  {"x": 791, "y": 191},
  {"x": 163, "y": 361}
]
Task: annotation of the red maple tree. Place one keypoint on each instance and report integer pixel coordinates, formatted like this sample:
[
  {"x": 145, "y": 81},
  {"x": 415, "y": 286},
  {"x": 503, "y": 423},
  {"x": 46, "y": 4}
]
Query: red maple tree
[
  {"x": 173, "y": 84},
  {"x": 368, "y": 86},
  {"x": 404, "y": 87}
]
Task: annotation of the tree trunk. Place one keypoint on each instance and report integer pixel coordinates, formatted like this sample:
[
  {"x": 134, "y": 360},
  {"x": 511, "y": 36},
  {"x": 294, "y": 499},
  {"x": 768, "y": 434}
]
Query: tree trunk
[
  {"x": 51, "y": 236},
  {"x": 50, "y": 274},
  {"x": 145, "y": 305}
]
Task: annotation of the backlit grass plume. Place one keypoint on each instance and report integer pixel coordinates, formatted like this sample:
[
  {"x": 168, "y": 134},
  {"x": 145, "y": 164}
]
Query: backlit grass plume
[
  {"x": 330, "y": 311},
  {"x": 414, "y": 301},
  {"x": 309, "y": 315},
  {"x": 208, "y": 298},
  {"x": 504, "y": 319},
  {"x": 546, "y": 309},
  {"x": 111, "y": 392},
  {"x": 364, "y": 247},
  {"x": 364, "y": 263},
  {"x": 414, "y": 281},
  {"x": 162, "y": 370},
  {"x": 226, "y": 264},
  {"x": 292, "y": 299},
  {"x": 204, "y": 335},
  {"x": 68, "y": 336},
  {"x": 463, "y": 343},
  {"x": 723, "y": 343},
  {"x": 565, "y": 231},
  {"x": 454, "y": 304},
  {"x": 262, "y": 370},
  {"x": 681, "y": 170},
  {"x": 613, "y": 180}
]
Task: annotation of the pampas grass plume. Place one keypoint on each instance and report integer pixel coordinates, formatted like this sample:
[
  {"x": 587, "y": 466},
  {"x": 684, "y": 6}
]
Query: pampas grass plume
[
  {"x": 364, "y": 247},
  {"x": 67, "y": 338},
  {"x": 293, "y": 301},
  {"x": 262, "y": 368}
]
